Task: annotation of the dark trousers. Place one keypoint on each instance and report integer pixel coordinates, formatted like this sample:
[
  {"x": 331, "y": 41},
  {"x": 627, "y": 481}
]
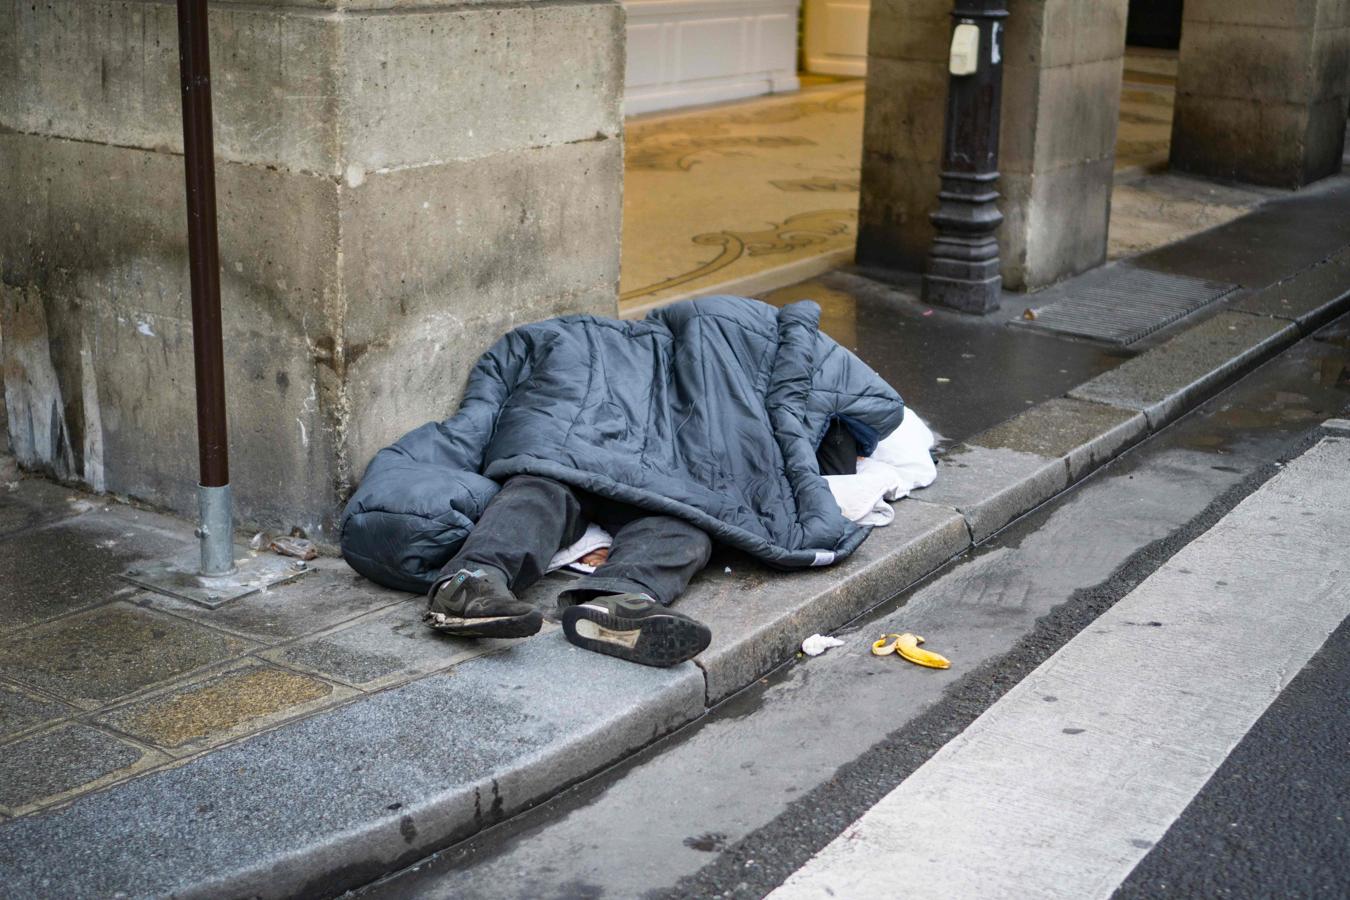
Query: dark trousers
[{"x": 531, "y": 518}]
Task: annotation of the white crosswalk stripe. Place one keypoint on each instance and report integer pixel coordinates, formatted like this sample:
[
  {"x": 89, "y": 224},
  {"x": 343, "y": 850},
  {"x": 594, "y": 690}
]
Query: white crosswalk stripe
[{"x": 1060, "y": 788}]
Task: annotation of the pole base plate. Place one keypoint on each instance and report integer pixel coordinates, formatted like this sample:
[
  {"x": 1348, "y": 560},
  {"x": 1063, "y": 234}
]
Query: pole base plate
[{"x": 181, "y": 578}]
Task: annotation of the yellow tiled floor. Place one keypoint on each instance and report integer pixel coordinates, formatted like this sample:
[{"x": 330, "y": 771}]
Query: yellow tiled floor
[{"x": 720, "y": 198}]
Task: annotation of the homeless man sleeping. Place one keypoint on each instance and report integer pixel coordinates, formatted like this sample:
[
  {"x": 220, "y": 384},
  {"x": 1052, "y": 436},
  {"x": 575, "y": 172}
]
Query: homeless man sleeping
[{"x": 709, "y": 420}]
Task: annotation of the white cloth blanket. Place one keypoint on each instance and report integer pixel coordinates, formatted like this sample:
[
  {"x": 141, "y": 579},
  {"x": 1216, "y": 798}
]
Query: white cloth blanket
[{"x": 903, "y": 462}]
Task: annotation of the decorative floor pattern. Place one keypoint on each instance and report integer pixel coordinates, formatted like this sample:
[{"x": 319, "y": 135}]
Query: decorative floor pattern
[
  {"x": 734, "y": 192},
  {"x": 726, "y": 193}
]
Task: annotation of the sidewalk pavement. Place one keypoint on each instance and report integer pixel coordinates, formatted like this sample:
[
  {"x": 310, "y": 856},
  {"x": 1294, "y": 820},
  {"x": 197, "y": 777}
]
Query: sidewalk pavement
[{"x": 311, "y": 738}]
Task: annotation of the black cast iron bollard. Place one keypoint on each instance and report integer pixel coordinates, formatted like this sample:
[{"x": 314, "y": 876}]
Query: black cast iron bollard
[
  {"x": 194, "y": 56},
  {"x": 963, "y": 263}
]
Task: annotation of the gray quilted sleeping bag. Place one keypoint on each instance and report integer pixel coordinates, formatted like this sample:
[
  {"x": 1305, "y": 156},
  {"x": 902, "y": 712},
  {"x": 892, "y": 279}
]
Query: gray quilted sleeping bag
[{"x": 710, "y": 410}]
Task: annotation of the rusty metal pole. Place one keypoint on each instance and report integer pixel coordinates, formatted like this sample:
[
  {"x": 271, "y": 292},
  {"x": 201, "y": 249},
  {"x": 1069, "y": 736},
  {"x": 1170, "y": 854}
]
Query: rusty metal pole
[
  {"x": 194, "y": 57},
  {"x": 963, "y": 264}
]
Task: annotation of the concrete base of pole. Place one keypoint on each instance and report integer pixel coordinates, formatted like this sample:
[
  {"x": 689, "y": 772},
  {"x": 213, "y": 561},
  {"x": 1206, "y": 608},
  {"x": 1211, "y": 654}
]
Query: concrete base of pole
[{"x": 216, "y": 530}]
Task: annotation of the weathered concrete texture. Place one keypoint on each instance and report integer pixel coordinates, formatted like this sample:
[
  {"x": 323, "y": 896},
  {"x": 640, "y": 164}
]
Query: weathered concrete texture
[
  {"x": 47, "y": 766},
  {"x": 31, "y": 502},
  {"x": 1061, "y": 97},
  {"x": 81, "y": 557},
  {"x": 992, "y": 486},
  {"x": 22, "y": 710},
  {"x": 333, "y": 92},
  {"x": 374, "y": 784},
  {"x": 906, "y": 105},
  {"x": 1165, "y": 381},
  {"x": 1061, "y": 102},
  {"x": 513, "y": 239},
  {"x": 1307, "y": 298},
  {"x": 332, "y": 594},
  {"x": 93, "y": 657},
  {"x": 1085, "y": 435},
  {"x": 398, "y": 184},
  {"x": 1262, "y": 90},
  {"x": 385, "y": 648},
  {"x": 758, "y": 619},
  {"x": 241, "y": 700}
]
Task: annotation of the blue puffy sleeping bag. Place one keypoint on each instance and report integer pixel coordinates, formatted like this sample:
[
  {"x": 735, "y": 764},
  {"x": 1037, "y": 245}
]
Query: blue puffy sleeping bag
[{"x": 710, "y": 410}]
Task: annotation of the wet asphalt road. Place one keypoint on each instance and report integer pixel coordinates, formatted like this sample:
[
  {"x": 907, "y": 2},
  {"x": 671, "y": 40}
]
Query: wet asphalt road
[{"x": 735, "y": 803}]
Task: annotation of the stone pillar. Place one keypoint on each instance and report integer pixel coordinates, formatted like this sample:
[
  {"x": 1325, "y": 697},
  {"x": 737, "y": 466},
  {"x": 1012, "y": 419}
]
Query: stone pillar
[
  {"x": 398, "y": 185},
  {"x": 906, "y": 106},
  {"x": 1262, "y": 90},
  {"x": 1062, "y": 67},
  {"x": 1062, "y": 70}
]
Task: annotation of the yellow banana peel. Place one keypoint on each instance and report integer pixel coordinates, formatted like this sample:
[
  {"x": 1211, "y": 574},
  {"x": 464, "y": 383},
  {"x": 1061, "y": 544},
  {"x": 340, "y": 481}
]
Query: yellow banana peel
[{"x": 907, "y": 647}]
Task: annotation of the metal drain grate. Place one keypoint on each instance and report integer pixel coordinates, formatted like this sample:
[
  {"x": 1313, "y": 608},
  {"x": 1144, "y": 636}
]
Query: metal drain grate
[{"x": 1121, "y": 304}]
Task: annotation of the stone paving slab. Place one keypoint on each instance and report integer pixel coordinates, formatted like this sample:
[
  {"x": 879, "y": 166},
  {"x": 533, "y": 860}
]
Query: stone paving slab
[
  {"x": 759, "y": 617},
  {"x": 95, "y": 657},
  {"x": 74, "y": 563},
  {"x": 1307, "y": 298},
  {"x": 32, "y": 502},
  {"x": 244, "y": 698},
  {"x": 1084, "y": 434},
  {"x": 332, "y": 593},
  {"x": 384, "y": 648},
  {"x": 22, "y": 710},
  {"x": 991, "y": 486},
  {"x": 1166, "y": 381},
  {"x": 46, "y": 767},
  {"x": 344, "y": 797}
]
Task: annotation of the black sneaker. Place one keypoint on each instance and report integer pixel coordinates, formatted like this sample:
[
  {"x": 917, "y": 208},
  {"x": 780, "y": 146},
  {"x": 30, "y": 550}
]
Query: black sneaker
[
  {"x": 636, "y": 628},
  {"x": 472, "y": 604}
]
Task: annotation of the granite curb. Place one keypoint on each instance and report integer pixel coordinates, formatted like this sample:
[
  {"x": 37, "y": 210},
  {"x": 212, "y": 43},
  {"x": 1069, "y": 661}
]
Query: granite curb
[{"x": 333, "y": 801}]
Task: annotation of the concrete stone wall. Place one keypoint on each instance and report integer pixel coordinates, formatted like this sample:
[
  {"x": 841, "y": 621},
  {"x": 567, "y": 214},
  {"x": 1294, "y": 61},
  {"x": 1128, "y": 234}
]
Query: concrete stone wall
[
  {"x": 398, "y": 184},
  {"x": 1062, "y": 70},
  {"x": 1063, "y": 62},
  {"x": 906, "y": 107},
  {"x": 1262, "y": 90}
]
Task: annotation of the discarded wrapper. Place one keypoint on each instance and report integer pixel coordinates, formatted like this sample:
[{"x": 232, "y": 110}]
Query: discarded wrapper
[
  {"x": 300, "y": 548},
  {"x": 817, "y": 644}
]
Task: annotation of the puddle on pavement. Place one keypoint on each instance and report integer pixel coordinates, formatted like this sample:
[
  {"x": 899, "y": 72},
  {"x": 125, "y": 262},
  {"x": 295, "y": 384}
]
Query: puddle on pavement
[{"x": 940, "y": 361}]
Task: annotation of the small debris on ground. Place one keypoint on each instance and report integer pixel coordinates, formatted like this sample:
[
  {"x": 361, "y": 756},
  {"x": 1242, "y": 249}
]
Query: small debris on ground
[
  {"x": 727, "y": 570},
  {"x": 817, "y": 644},
  {"x": 1030, "y": 314},
  {"x": 258, "y": 541},
  {"x": 301, "y": 548},
  {"x": 906, "y": 646}
]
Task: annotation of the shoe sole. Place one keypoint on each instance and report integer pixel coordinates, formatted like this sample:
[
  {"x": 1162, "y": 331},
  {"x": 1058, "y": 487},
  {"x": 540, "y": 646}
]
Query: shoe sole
[
  {"x": 495, "y": 626},
  {"x": 659, "y": 639}
]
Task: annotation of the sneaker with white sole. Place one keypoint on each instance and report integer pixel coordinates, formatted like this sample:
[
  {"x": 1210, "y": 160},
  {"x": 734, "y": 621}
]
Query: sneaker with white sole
[{"x": 636, "y": 628}]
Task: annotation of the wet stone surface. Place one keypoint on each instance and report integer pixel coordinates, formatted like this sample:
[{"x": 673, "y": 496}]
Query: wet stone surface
[
  {"x": 98, "y": 656},
  {"x": 75, "y": 564},
  {"x": 31, "y": 502},
  {"x": 383, "y": 648},
  {"x": 222, "y": 705},
  {"x": 1081, "y": 432},
  {"x": 21, "y": 711},
  {"x": 1302, "y": 297},
  {"x": 327, "y": 596},
  {"x": 58, "y": 761},
  {"x": 1160, "y": 382},
  {"x": 941, "y": 361},
  {"x": 992, "y": 486}
]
